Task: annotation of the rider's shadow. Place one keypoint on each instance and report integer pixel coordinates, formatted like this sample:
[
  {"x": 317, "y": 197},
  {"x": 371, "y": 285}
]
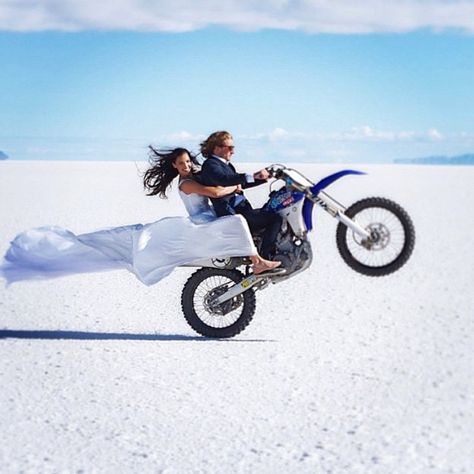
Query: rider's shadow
[{"x": 107, "y": 336}]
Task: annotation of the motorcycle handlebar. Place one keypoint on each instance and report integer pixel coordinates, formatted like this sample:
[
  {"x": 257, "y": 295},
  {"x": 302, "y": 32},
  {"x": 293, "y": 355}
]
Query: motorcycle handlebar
[
  {"x": 282, "y": 172},
  {"x": 275, "y": 171}
]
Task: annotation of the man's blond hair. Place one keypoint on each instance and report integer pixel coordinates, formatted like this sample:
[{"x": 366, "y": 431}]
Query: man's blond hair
[{"x": 213, "y": 140}]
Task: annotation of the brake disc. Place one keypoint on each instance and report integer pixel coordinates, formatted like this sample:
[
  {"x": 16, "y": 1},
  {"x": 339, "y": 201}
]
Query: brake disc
[{"x": 225, "y": 307}]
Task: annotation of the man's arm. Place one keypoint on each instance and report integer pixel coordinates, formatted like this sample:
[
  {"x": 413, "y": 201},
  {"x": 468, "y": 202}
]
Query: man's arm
[
  {"x": 259, "y": 177},
  {"x": 257, "y": 182}
]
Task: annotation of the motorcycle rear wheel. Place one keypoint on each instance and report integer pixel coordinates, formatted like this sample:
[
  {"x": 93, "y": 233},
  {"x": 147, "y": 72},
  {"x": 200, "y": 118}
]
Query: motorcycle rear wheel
[
  {"x": 392, "y": 237},
  {"x": 226, "y": 320}
]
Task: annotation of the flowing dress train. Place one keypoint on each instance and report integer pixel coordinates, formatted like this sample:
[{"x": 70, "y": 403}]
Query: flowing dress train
[{"x": 149, "y": 251}]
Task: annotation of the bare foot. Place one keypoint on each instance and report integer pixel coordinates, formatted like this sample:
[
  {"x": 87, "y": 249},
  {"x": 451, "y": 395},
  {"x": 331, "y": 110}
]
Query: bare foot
[{"x": 264, "y": 266}]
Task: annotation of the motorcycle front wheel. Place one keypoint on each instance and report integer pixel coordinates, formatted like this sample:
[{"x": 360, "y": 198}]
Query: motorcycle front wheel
[
  {"x": 391, "y": 242},
  {"x": 225, "y": 320}
]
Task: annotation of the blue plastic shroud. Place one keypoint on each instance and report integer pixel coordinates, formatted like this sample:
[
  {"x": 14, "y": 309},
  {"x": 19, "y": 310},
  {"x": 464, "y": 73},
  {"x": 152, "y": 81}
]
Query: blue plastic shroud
[
  {"x": 283, "y": 198},
  {"x": 324, "y": 183}
]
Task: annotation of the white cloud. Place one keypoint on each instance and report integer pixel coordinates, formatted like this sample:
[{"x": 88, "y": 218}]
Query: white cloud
[
  {"x": 363, "y": 133},
  {"x": 313, "y": 16},
  {"x": 278, "y": 134},
  {"x": 433, "y": 134},
  {"x": 358, "y": 144},
  {"x": 370, "y": 134},
  {"x": 182, "y": 136}
]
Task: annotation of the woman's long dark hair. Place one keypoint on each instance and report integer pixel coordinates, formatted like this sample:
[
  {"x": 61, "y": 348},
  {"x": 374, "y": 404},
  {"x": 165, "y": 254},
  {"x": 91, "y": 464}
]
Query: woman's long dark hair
[{"x": 159, "y": 177}]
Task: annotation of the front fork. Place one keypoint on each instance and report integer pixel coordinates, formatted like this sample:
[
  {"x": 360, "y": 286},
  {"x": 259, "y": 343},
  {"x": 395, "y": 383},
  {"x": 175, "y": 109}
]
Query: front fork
[{"x": 337, "y": 210}]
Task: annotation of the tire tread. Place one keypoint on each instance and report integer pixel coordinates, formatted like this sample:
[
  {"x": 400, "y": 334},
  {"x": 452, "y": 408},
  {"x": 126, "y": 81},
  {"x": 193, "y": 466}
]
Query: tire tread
[
  {"x": 193, "y": 319},
  {"x": 404, "y": 255}
]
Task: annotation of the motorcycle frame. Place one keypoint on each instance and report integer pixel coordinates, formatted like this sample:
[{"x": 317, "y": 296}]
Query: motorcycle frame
[{"x": 298, "y": 216}]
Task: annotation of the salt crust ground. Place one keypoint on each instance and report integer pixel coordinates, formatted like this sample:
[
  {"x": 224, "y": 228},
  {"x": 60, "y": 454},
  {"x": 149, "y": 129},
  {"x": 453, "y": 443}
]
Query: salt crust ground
[{"x": 337, "y": 373}]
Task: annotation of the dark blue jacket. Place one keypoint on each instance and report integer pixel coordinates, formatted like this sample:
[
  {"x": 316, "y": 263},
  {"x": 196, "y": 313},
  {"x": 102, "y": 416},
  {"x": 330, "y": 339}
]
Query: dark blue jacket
[{"x": 216, "y": 173}]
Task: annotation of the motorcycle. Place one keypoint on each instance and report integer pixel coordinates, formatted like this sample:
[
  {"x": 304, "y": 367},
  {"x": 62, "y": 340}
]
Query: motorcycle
[{"x": 375, "y": 237}]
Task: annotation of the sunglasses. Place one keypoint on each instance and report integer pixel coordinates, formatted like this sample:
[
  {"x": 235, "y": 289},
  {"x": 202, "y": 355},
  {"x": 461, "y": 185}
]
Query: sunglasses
[{"x": 230, "y": 147}]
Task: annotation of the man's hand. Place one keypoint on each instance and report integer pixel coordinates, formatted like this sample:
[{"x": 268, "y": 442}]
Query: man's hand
[{"x": 262, "y": 174}]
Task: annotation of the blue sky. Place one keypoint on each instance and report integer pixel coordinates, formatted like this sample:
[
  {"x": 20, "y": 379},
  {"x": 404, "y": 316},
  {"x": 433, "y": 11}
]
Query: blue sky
[{"x": 287, "y": 93}]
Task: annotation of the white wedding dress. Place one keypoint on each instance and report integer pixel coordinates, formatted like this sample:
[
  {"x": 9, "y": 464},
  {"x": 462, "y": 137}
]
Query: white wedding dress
[{"x": 149, "y": 251}]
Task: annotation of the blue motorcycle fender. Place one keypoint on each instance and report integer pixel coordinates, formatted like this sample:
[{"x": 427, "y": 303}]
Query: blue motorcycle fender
[{"x": 319, "y": 186}]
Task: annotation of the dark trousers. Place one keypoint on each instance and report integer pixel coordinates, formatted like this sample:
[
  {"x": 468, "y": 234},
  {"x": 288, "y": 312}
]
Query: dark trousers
[{"x": 259, "y": 219}]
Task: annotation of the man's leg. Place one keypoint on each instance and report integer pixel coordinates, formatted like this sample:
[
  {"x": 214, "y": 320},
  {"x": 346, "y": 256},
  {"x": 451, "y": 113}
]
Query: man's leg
[{"x": 259, "y": 219}]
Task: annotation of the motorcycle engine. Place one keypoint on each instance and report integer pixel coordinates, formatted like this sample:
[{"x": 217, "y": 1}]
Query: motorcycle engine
[{"x": 294, "y": 253}]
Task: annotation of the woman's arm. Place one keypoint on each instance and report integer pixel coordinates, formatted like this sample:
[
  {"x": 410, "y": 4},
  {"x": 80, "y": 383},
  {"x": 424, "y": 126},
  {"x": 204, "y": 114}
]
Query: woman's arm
[{"x": 190, "y": 186}]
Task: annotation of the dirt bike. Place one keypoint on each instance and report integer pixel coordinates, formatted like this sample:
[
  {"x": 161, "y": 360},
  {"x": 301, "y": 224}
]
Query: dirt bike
[{"x": 374, "y": 236}]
